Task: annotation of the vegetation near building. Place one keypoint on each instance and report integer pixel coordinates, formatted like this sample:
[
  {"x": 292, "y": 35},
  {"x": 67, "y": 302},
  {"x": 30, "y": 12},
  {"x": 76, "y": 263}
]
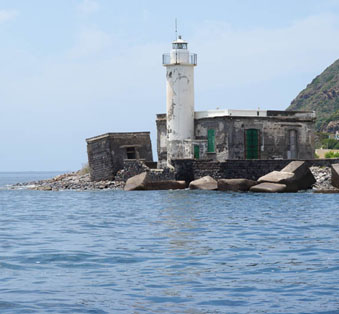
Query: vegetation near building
[{"x": 332, "y": 155}]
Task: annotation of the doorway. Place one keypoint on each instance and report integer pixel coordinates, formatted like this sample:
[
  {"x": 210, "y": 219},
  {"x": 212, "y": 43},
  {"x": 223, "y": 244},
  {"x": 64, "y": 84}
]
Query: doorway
[{"x": 252, "y": 144}]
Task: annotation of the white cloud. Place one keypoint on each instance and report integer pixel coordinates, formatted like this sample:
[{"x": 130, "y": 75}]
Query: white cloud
[
  {"x": 7, "y": 15},
  {"x": 87, "y": 7}
]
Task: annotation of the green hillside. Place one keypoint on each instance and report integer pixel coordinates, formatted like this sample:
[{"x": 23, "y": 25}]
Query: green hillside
[{"x": 322, "y": 96}]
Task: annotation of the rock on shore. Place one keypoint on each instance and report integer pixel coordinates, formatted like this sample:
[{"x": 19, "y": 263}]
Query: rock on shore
[
  {"x": 323, "y": 178},
  {"x": 70, "y": 181}
]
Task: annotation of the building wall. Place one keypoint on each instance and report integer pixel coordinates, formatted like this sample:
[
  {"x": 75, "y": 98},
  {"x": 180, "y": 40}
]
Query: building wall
[
  {"x": 273, "y": 142},
  {"x": 274, "y": 136},
  {"x": 106, "y": 153},
  {"x": 100, "y": 159},
  {"x": 222, "y": 132}
]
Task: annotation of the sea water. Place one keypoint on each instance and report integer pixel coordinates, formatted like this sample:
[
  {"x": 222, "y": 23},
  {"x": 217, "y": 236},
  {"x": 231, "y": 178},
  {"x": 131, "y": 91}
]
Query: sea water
[{"x": 167, "y": 251}]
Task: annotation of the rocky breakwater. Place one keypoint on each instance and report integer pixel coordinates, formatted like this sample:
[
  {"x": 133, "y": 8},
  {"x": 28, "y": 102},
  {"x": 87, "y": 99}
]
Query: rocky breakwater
[
  {"x": 70, "y": 181},
  {"x": 323, "y": 178},
  {"x": 327, "y": 179},
  {"x": 296, "y": 176}
]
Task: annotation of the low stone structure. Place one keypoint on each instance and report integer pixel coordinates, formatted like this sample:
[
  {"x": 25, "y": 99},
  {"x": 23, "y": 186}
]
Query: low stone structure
[{"x": 107, "y": 152}]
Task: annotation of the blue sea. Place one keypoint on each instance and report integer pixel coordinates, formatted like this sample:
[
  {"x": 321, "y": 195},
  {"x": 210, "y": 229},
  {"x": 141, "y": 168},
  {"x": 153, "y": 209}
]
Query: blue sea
[{"x": 167, "y": 251}]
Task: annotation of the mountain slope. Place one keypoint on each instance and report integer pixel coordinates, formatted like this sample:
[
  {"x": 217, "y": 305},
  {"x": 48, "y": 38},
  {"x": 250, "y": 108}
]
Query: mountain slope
[{"x": 322, "y": 96}]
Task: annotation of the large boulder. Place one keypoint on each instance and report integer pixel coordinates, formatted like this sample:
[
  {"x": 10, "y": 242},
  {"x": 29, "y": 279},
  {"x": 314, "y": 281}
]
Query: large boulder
[
  {"x": 303, "y": 175},
  {"x": 296, "y": 176},
  {"x": 166, "y": 185},
  {"x": 137, "y": 182},
  {"x": 268, "y": 187},
  {"x": 143, "y": 182},
  {"x": 236, "y": 185},
  {"x": 279, "y": 177},
  {"x": 335, "y": 175},
  {"x": 204, "y": 183}
]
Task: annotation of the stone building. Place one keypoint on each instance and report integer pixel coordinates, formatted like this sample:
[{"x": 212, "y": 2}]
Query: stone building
[
  {"x": 107, "y": 152},
  {"x": 238, "y": 134},
  {"x": 221, "y": 135}
]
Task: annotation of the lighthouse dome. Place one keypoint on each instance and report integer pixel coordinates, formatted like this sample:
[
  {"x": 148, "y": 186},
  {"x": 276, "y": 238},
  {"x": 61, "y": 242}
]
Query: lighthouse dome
[{"x": 179, "y": 43}]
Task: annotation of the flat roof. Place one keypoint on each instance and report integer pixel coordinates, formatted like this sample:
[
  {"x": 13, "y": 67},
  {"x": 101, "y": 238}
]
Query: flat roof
[
  {"x": 229, "y": 112},
  {"x": 98, "y": 137},
  {"x": 248, "y": 113}
]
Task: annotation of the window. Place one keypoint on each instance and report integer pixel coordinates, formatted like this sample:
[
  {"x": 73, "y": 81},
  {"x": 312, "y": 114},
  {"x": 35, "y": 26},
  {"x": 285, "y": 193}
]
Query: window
[
  {"x": 179, "y": 46},
  {"x": 211, "y": 141},
  {"x": 131, "y": 153}
]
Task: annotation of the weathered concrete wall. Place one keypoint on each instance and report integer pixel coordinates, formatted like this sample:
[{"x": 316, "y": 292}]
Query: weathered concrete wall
[
  {"x": 189, "y": 170},
  {"x": 100, "y": 159},
  {"x": 222, "y": 132},
  {"x": 106, "y": 153}
]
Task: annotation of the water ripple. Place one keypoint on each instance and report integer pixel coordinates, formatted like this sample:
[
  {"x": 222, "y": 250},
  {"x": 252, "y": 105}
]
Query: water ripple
[{"x": 168, "y": 251}]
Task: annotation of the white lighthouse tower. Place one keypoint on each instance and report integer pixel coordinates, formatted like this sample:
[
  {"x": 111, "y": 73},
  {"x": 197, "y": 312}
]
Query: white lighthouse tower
[{"x": 179, "y": 65}]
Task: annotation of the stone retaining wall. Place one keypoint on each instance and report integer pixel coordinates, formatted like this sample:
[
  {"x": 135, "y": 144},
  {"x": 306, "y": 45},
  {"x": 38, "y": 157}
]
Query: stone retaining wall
[{"x": 189, "y": 169}]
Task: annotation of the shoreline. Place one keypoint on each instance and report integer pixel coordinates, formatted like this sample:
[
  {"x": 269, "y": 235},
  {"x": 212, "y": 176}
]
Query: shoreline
[
  {"x": 75, "y": 181},
  {"x": 79, "y": 181}
]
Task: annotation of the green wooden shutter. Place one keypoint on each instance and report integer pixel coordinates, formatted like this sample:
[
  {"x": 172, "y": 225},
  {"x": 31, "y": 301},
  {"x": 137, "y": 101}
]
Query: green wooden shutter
[
  {"x": 252, "y": 144},
  {"x": 211, "y": 141},
  {"x": 196, "y": 151}
]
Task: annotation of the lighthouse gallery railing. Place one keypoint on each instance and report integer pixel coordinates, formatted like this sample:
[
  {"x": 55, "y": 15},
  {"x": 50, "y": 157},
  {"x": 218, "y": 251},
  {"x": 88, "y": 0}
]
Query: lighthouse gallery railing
[{"x": 166, "y": 59}]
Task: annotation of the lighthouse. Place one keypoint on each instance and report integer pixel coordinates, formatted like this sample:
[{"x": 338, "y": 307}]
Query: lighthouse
[{"x": 179, "y": 65}]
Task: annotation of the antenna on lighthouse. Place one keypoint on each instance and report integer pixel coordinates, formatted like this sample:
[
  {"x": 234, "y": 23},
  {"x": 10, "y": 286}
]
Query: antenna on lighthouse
[{"x": 176, "y": 29}]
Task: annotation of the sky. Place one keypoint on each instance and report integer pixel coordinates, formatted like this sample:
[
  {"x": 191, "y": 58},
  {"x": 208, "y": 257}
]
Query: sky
[{"x": 74, "y": 69}]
